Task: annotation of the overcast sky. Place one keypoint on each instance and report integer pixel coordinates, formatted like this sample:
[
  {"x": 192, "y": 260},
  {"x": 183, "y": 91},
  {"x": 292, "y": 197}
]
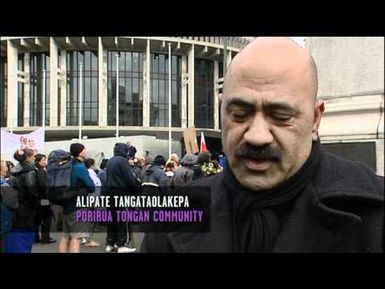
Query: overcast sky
[{"x": 299, "y": 40}]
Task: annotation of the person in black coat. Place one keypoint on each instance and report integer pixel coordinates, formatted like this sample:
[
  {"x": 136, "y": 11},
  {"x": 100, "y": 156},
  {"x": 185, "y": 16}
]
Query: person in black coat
[
  {"x": 280, "y": 192},
  {"x": 102, "y": 174},
  {"x": 44, "y": 215},
  {"x": 25, "y": 180},
  {"x": 121, "y": 181}
]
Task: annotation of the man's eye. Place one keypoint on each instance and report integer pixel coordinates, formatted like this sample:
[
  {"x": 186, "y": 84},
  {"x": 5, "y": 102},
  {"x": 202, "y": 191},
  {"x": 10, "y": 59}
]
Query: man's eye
[
  {"x": 281, "y": 117},
  {"x": 239, "y": 114}
]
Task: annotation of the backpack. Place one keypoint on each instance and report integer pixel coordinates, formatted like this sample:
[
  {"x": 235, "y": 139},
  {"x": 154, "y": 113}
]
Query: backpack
[
  {"x": 7, "y": 196},
  {"x": 59, "y": 170},
  {"x": 150, "y": 185}
]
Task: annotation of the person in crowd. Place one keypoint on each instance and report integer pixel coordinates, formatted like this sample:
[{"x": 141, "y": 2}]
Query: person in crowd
[
  {"x": 44, "y": 215},
  {"x": 25, "y": 180},
  {"x": 74, "y": 231},
  {"x": 175, "y": 159},
  {"x": 155, "y": 177},
  {"x": 91, "y": 226},
  {"x": 147, "y": 162},
  {"x": 102, "y": 175},
  {"x": 184, "y": 174},
  {"x": 121, "y": 181},
  {"x": 170, "y": 169},
  {"x": 8, "y": 201},
  {"x": 135, "y": 168},
  {"x": 10, "y": 167}
]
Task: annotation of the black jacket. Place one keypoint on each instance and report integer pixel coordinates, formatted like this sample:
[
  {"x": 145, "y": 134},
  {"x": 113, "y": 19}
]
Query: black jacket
[
  {"x": 42, "y": 179},
  {"x": 25, "y": 181},
  {"x": 120, "y": 178},
  {"x": 341, "y": 211}
]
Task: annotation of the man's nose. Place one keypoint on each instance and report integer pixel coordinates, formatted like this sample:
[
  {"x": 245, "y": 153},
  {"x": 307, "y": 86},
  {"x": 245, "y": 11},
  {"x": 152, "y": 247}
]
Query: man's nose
[{"x": 259, "y": 132}]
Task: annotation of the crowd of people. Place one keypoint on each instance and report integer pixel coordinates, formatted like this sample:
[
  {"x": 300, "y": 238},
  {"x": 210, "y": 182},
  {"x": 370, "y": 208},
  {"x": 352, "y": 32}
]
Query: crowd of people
[
  {"x": 28, "y": 215},
  {"x": 279, "y": 191}
]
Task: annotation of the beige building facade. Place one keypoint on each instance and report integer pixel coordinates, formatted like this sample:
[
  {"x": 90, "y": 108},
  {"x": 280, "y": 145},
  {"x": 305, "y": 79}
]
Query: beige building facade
[{"x": 351, "y": 81}]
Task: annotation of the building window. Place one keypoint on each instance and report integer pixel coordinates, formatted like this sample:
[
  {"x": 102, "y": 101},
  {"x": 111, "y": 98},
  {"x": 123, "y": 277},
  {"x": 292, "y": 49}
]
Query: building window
[
  {"x": 204, "y": 93},
  {"x": 3, "y": 95},
  {"x": 20, "y": 93},
  {"x": 90, "y": 102},
  {"x": 159, "y": 90},
  {"x": 364, "y": 152},
  {"x": 220, "y": 69},
  {"x": 130, "y": 88},
  {"x": 39, "y": 62}
]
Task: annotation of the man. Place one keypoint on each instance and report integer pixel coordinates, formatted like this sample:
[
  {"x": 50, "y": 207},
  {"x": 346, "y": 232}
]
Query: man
[
  {"x": 121, "y": 181},
  {"x": 74, "y": 231},
  {"x": 184, "y": 174},
  {"x": 154, "y": 179},
  {"x": 280, "y": 192},
  {"x": 24, "y": 179},
  {"x": 8, "y": 202}
]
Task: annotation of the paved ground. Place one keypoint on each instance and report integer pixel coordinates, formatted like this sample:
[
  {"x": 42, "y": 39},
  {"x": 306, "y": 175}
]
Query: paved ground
[{"x": 99, "y": 237}]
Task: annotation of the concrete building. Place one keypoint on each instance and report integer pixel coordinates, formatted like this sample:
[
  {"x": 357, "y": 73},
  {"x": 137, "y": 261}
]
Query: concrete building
[
  {"x": 351, "y": 81},
  {"x": 91, "y": 65}
]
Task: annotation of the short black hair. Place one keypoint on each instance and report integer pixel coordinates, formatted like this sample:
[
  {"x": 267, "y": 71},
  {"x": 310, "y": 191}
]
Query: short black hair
[
  {"x": 103, "y": 164},
  {"x": 89, "y": 162}
]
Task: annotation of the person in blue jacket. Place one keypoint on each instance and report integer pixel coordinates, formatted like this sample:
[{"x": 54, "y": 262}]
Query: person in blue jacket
[{"x": 74, "y": 231}]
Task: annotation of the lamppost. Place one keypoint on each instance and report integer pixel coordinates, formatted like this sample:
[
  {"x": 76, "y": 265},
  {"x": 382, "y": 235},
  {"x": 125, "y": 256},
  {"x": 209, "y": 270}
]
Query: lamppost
[
  {"x": 80, "y": 99},
  {"x": 169, "y": 99},
  {"x": 117, "y": 55}
]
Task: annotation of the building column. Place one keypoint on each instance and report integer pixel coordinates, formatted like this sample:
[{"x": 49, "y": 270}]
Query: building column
[
  {"x": 191, "y": 86},
  {"x": 12, "y": 85},
  {"x": 53, "y": 95},
  {"x": 184, "y": 91},
  {"x": 147, "y": 85},
  {"x": 63, "y": 88},
  {"x": 380, "y": 141},
  {"x": 103, "y": 93},
  {"x": 216, "y": 95},
  {"x": 27, "y": 89},
  {"x": 380, "y": 156}
]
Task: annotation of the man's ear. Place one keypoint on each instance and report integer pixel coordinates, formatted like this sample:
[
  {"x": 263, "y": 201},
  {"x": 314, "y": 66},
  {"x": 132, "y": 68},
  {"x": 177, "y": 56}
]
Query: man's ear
[
  {"x": 319, "y": 108},
  {"x": 220, "y": 97}
]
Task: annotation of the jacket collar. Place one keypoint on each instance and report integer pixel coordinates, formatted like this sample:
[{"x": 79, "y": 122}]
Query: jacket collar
[
  {"x": 219, "y": 239},
  {"x": 340, "y": 182}
]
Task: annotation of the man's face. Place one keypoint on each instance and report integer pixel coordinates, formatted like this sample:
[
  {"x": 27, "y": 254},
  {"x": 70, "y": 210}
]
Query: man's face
[
  {"x": 84, "y": 153},
  {"x": 31, "y": 159},
  {"x": 267, "y": 127}
]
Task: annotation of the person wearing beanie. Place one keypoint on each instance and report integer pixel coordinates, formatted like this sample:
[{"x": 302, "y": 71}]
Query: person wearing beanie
[
  {"x": 159, "y": 161},
  {"x": 74, "y": 231},
  {"x": 154, "y": 176},
  {"x": 131, "y": 151},
  {"x": 184, "y": 174},
  {"x": 77, "y": 149}
]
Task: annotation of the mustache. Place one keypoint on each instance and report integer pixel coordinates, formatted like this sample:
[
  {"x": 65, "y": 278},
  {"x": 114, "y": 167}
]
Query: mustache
[{"x": 265, "y": 152}]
